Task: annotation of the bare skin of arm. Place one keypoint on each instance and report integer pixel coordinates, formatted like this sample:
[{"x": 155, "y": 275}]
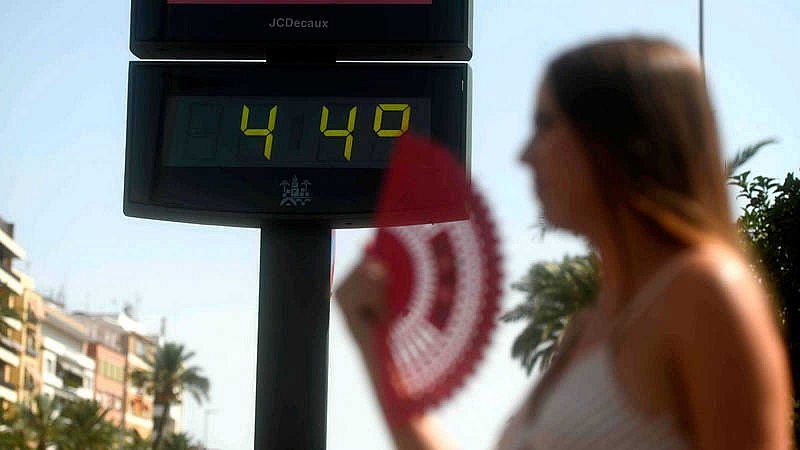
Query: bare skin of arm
[{"x": 733, "y": 377}]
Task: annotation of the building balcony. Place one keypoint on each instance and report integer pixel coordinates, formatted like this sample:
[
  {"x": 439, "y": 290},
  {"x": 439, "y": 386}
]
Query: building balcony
[
  {"x": 80, "y": 392},
  {"x": 75, "y": 360},
  {"x": 8, "y": 392},
  {"x": 13, "y": 323},
  {"x": 8, "y": 385},
  {"x": 9, "y": 357},
  {"x": 7, "y": 242},
  {"x": 137, "y": 362},
  {"x": 52, "y": 380},
  {"x": 10, "y": 344},
  {"x": 10, "y": 281},
  {"x": 144, "y": 423}
]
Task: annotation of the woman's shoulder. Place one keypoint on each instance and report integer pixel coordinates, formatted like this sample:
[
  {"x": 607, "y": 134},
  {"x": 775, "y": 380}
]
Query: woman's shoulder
[
  {"x": 717, "y": 314},
  {"x": 716, "y": 282},
  {"x": 723, "y": 337}
]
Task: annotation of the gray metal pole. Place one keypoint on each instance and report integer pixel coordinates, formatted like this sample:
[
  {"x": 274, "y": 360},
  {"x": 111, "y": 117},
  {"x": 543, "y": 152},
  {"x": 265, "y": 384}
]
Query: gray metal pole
[
  {"x": 208, "y": 412},
  {"x": 293, "y": 318},
  {"x": 701, "y": 35}
]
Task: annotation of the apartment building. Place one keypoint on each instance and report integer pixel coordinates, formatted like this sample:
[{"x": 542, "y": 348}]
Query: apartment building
[
  {"x": 109, "y": 384},
  {"x": 43, "y": 349},
  {"x": 139, "y": 413},
  {"x": 68, "y": 372},
  {"x": 11, "y": 327},
  {"x": 31, "y": 310},
  {"x": 125, "y": 335}
]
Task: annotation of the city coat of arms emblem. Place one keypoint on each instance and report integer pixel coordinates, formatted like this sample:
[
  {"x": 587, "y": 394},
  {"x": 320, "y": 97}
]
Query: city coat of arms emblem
[{"x": 296, "y": 193}]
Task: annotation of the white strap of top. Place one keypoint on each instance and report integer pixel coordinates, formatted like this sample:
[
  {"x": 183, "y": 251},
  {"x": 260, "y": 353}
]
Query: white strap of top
[{"x": 648, "y": 293}]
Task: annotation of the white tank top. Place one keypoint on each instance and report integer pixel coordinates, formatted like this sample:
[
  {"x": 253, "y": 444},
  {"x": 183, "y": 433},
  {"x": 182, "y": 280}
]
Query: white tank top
[{"x": 586, "y": 408}]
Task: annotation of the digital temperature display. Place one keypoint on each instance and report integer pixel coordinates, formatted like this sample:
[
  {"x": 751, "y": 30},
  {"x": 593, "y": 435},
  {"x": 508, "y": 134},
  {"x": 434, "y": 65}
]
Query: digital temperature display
[{"x": 324, "y": 132}]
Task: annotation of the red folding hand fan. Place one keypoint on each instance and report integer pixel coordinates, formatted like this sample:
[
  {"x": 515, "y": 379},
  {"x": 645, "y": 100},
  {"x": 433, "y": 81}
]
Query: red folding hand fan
[{"x": 444, "y": 279}]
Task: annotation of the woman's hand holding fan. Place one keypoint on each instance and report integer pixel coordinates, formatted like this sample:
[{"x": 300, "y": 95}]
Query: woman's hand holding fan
[{"x": 422, "y": 303}]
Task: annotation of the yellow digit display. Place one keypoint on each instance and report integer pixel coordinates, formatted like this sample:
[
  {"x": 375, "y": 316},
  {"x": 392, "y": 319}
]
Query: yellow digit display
[
  {"x": 386, "y": 107},
  {"x": 348, "y": 133},
  {"x": 266, "y": 132}
]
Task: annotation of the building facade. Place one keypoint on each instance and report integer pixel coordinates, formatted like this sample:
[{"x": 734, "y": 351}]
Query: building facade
[
  {"x": 44, "y": 349},
  {"x": 31, "y": 310},
  {"x": 109, "y": 384},
  {"x": 125, "y": 335},
  {"x": 139, "y": 413},
  {"x": 68, "y": 373},
  {"x": 11, "y": 326}
]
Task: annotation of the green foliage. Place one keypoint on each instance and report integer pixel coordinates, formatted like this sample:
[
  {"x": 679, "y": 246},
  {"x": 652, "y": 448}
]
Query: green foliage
[
  {"x": 771, "y": 223},
  {"x": 744, "y": 155},
  {"x": 180, "y": 441},
  {"x": 12, "y": 432},
  {"x": 554, "y": 291},
  {"x": 42, "y": 422},
  {"x": 170, "y": 378},
  {"x": 85, "y": 427},
  {"x": 48, "y": 423},
  {"x": 135, "y": 442},
  {"x": 53, "y": 424}
]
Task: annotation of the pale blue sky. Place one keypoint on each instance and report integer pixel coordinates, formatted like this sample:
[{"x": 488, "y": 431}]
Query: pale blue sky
[{"x": 63, "y": 81}]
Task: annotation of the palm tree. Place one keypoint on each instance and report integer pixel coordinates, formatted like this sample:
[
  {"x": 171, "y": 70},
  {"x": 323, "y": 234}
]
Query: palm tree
[
  {"x": 180, "y": 441},
  {"x": 85, "y": 427},
  {"x": 744, "y": 155},
  {"x": 555, "y": 291},
  {"x": 133, "y": 441},
  {"x": 167, "y": 381},
  {"x": 12, "y": 435},
  {"x": 42, "y": 421}
]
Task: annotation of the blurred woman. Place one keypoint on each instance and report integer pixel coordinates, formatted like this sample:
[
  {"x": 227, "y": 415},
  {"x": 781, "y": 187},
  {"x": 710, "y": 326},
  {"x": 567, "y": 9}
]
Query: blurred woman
[{"x": 681, "y": 348}]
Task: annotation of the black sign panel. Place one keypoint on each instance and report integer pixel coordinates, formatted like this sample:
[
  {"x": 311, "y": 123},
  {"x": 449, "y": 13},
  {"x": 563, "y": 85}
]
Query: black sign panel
[
  {"x": 241, "y": 143},
  {"x": 418, "y": 30}
]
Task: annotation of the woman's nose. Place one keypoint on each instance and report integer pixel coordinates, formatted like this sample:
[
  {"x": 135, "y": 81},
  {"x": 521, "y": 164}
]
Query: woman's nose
[{"x": 526, "y": 155}]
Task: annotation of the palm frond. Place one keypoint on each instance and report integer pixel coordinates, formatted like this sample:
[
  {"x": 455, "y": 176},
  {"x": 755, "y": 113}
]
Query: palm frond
[
  {"x": 744, "y": 155},
  {"x": 554, "y": 292}
]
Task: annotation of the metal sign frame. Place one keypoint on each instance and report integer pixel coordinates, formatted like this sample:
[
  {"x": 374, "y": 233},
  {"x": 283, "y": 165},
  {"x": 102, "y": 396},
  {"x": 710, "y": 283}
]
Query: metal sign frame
[{"x": 224, "y": 29}]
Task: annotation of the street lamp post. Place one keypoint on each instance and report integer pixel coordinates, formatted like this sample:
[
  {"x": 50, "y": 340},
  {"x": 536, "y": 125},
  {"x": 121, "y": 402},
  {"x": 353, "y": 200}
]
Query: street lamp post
[
  {"x": 208, "y": 412},
  {"x": 700, "y": 36}
]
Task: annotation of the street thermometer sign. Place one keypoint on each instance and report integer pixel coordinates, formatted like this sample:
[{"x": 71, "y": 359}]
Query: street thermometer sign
[
  {"x": 242, "y": 144},
  {"x": 297, "y": 144},
  {"x": 410, "y": 30}
]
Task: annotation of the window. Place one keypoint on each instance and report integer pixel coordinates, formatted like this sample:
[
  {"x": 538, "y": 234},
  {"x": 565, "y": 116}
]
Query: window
[
  {"x": 29, "y": 384},
  {"x": 140, "y": 349},
  {"x": 31, "y": 343},
  {"x": 72, "y": 380},
  {"x": 111, "y": 371}
]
